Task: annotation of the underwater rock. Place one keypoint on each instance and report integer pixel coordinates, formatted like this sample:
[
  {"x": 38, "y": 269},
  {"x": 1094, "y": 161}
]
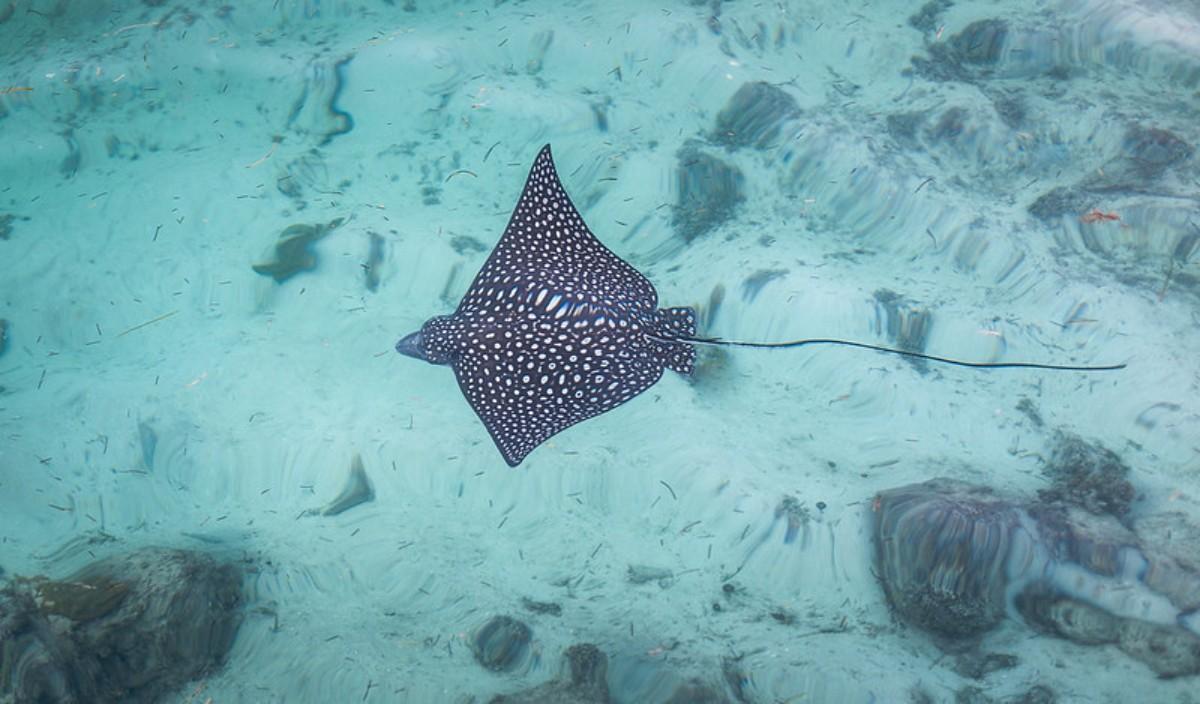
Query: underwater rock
[
  {"x": 358, "y": 490},
  {"x": 374, "y": 261},
  {"x": 709, "y": 191},
  {"x": 293, "y": 251},
  {"x": 1147, "y": 154},
  {"x": 902, "y": 126},
  {"x": 69, "y": 166},
  {"x": 1150, "y": 151},
  {"x": 539, "y": 43},
  {"x": 754, "y": 116},
  {"x": 1101, "y": 545},
  {"x": 6, "y": 224},
  {"x": 1061, "y": 201},
  {"x": 926, "y": 19},
  {"x": 977, "y": 48},
  {"x": 501, "y": 643},
  {"x": 1011, "y": 107},
  {"x": 980, "y": 43},
  {"x": 128, "y": 628},
  {"x": 753, "y": 285},
  {"x": 711, "y": 362},
  {"x": 696, "y": 692},
  {"x": 951, "y": 124},
  {"x": 1037, "y": 694},
  {"x": 1087, "y": 475},
  {"x": 304, "y": 174},
  {"x": 904, "y": 324},
  {"x": 586, "y": 681},
  {"x": 1169, "y": 651},
  {"x": 942, "y": 548},
  {"x": 1029, "y": 409},
  {"x": 736, "y": 677},
  {"x": 3, "y": 335},
  {"x": 976, "y": 665},
  {"x": 952, "y": 556}
]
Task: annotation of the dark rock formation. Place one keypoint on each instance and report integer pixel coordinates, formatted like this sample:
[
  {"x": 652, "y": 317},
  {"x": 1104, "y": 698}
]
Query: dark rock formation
[
  {"x": 501, "y": 643},
  {"x": 128, "y": 628},
  {"x": 585, "y": 682}
]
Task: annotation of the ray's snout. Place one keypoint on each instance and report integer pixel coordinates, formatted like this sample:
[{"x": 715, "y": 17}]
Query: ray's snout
[{"x": 410, "y": 346}]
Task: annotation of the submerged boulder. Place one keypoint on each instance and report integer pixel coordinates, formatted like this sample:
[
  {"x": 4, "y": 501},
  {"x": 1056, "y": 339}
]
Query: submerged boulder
[
  {"x": 128, "y": 628},
  {"x": 585, "y": 681},
  {"x": 955, "y": 559}
]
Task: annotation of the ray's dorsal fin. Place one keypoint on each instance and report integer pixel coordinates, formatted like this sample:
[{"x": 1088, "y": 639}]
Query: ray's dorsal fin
[{"x": 547, "y": 245}]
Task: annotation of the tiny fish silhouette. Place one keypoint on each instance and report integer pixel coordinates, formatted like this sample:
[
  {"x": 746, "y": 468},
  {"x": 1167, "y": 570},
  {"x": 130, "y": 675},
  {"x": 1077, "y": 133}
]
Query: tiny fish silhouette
[{"x": 556, "y": 329}]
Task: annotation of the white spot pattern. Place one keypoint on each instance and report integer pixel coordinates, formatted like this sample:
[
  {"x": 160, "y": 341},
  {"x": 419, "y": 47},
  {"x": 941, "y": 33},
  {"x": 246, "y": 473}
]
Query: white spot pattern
[{"x": 553, "y": 330}]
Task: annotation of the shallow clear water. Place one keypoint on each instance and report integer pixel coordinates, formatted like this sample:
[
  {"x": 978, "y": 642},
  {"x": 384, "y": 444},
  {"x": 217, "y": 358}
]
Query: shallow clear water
[{"x": 892, "y": 181}]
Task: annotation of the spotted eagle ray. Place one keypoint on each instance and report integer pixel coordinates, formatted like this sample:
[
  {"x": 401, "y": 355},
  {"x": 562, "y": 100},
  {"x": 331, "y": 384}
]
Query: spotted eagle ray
[{"x": 556, "y": 329}]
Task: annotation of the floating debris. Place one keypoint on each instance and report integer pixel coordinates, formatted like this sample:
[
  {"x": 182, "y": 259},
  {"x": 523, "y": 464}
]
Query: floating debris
[
  {"x": 641, "y": 574},
  {"x": 148, "y": 439},
  {"x": 374, "y": 261},
  {"x": 539, "y": 43},
  {"x": 541, "y": 607},
  {"x": 316, "y": 111},
  {"x": 358, "y": 490},
  {"x": 797, "y": 517},
  {"x": 293, "y": 251},
  {"x": 465, "y": 244}
]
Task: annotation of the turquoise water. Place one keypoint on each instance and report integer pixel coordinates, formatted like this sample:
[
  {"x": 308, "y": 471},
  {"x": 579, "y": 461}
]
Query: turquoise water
[{"x": 988, "y": 182}]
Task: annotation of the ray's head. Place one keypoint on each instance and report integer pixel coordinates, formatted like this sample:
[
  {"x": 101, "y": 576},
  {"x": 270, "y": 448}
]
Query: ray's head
[{"x": 435, "y": 342}]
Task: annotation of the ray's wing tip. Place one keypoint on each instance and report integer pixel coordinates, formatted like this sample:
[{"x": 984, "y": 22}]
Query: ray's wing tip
[{"x": 512, "y": 459}]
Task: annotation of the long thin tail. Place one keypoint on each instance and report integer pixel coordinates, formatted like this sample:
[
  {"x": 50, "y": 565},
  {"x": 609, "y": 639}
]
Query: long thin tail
[{"x": 716, "y": 341}]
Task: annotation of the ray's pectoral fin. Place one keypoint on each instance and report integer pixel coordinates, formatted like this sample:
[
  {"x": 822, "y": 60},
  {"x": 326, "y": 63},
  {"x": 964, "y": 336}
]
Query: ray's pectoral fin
[
  {"x": 523, "y": 408},
  {"x": 676, "y": 323}
]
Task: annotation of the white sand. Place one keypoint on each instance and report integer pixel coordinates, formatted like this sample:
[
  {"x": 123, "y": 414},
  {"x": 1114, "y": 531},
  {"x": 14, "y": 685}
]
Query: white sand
[{"x": 260, "y": 393}]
